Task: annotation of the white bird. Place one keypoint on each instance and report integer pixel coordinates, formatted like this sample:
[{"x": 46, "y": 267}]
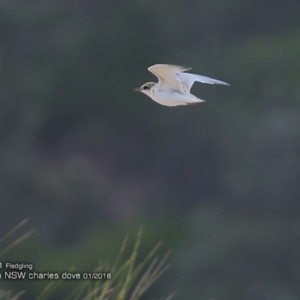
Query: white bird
[{"x": 173, "y": 86}]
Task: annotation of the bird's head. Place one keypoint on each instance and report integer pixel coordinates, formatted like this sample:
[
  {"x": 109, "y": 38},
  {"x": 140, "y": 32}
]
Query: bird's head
[{"x": 146, "y": 88}]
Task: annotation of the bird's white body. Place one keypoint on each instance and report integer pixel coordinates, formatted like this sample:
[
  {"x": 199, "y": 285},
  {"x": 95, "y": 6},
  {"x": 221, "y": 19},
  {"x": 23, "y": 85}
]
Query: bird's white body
[
  {"x": 173, "y": 86},
  {"x": 173, "y": 98}
]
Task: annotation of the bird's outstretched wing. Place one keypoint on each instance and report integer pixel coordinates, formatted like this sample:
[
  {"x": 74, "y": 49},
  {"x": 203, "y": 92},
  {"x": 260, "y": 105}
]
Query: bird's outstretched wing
[
  {"x": 188, "y": 80},
  {"x": 168, "y": 78}
]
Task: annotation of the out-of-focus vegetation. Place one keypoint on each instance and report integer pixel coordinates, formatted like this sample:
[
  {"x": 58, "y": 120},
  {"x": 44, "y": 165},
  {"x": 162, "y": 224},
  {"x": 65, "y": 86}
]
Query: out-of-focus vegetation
[
  {"x": 87, "y": 159},
  {"x": 124, "y": 279}
]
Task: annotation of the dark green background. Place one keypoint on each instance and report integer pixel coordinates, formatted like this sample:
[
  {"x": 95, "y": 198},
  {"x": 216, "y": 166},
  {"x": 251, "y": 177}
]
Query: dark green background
[{"x": 88, "y": 160}]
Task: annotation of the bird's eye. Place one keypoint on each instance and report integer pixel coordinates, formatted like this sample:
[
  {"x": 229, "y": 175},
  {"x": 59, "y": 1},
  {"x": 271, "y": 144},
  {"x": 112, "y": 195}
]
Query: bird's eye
[{"x": 145, "y": 87}]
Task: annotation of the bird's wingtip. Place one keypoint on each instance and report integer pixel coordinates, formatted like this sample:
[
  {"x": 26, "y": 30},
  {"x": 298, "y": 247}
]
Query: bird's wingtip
[{"x": 224, "y": 83}]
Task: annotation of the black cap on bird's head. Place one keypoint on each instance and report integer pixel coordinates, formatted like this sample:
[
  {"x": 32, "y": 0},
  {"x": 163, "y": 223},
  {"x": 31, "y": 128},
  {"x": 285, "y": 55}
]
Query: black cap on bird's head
[{"x": 145, "y": 87}]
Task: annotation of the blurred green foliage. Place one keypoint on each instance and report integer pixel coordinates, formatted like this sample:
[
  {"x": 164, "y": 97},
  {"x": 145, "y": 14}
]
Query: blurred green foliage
[
  {"x": 129, "y": 277},
  {"x": 233, "y": 256},
  {"x": 87, "y": 159}
]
